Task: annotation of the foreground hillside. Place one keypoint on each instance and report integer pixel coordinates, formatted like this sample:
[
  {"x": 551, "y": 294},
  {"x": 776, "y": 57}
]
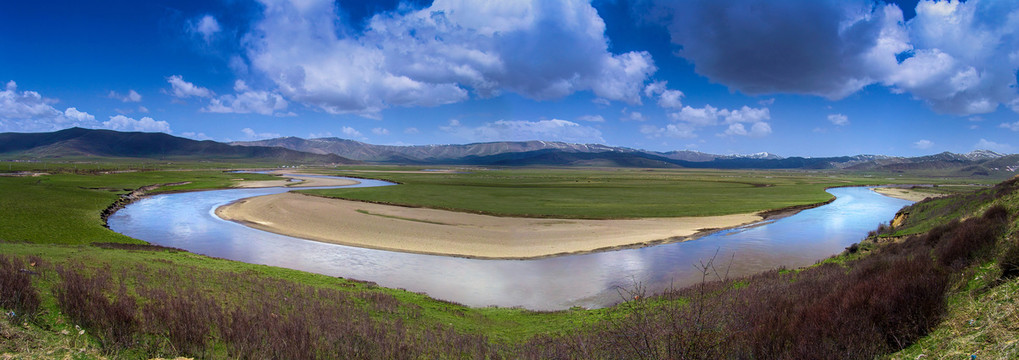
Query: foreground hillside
[{"x": 914, "y": 286}]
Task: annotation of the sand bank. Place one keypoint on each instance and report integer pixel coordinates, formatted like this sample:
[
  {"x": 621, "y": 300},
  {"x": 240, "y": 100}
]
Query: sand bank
[
  {"x": 906, "y": 194},
  {"x": 306, "y": 181},
  {"x": 442, "y": 232}
]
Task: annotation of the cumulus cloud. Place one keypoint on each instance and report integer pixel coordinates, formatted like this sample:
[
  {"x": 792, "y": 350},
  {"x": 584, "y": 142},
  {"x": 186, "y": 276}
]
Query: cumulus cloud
[
  {"x": 196, "y": 136},
  {"x": 964, "y": 56},
  {"x": 183, "y": 89},
  {"x": 131, "y": 96},
  {"x": 1011, "y": 126},
  {"x": 411, "y": 130},
  {"x": 349, "y": 131},
  {"x": 923, "y": 144},
  {"x": 838, "y": 119},
  {"x": 380, "y": 131},
  {"x": 591, "y": 118},
  {"x": 513, "y": 130},
  {"x": 632, "y": 115},
  {"x": 29, "y": 111},
  {"x": 124, "y": 123},
  {"x": 683, "y": 131},
  {"x": 985, "y": 144},
  {"x": 759, "y": 129},
  {"x": 435, "y": 55},
  {"x": 247, "y": 101},
  {"x": 958, "y": 57},
  {"x": 705, "y": 116},
  {"x": 206, "y": 27},
  {"x": 667, "y": 98},
  {"x": 252, "y": 134}
]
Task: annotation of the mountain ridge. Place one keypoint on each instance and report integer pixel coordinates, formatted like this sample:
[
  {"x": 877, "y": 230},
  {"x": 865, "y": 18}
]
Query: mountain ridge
[
  {"x": 80, "y": 142},
  {"x": 536, "y": 152}
]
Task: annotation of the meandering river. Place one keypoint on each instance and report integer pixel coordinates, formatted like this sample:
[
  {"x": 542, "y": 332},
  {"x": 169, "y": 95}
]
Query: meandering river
[{"x": 188, "y": 221}]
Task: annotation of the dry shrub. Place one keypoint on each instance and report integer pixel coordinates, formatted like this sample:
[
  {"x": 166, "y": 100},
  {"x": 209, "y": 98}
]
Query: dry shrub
[
  {"x": 16, "y": 292},
  {"x": 108, "y": 312}
]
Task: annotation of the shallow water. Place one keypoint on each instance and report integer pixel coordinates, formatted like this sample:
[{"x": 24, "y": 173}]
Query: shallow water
[{"x": 188, "y": 221}]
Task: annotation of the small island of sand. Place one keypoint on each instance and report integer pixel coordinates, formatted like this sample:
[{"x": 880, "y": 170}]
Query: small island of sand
[{"x": 442, "y": 232}]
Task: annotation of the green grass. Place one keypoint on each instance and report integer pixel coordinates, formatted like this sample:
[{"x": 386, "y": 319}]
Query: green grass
[
  {"x": 501, "y": 325},
  {"x": 65, "y": 208},
  {"x": 616, "y": 193},
  {"x": 56, "y": 216}
]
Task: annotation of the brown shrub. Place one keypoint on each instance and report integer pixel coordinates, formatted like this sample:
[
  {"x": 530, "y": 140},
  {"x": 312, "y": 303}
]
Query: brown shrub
[{"x": 16, "y": 292}]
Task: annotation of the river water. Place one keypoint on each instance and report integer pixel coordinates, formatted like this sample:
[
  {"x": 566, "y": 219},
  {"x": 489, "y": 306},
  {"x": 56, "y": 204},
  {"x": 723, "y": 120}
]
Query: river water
[{"x": 188, "y": 221}]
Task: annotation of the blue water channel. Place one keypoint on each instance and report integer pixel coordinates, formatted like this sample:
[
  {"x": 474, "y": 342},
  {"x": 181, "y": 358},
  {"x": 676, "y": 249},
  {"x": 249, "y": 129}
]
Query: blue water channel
[{"x": 187, "y": 221}]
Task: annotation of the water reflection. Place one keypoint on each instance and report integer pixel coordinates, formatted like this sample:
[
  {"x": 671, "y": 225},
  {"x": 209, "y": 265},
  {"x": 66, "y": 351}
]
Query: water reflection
[{"x": 187, "y": 220}]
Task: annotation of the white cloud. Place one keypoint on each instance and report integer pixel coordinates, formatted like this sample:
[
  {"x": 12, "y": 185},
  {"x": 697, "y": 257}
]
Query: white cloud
[
  {"x": 131, "y": 96},
  {"x": 28, "y": 111},
  {"x": 349, "y": 131},
  {"x": 183, "y": 89},
  {"x": 667, "y": 98},
  {"x": 655, "y": 88},
  {"x": 248, "y": 101},
  {"x": 683, "y": 131},
  {"x": 838, "y": 119},
  {"x": 632, "y": 115},
  {"x": 758, "y": 129},
  {"x": 507, "y": 130},
  {"x": 985, "y": 144},
  {"x": 670, "y": 99},
  {"x": 380, "y": 131},
  {"x": 1011, "y": 126},
  {"x": 432, "y": 56},
  {"x": 923, "y": 144},
  {"x": 320, "y": 135},
  {"x": 196, "y": 135},
  {"x": 705, "y": 116},
  {"x": 411, "y": 130},
  {"x": 124, "y": 123},
  {"x": 206, "y": 27},
  {"x": 252, "y": 134},
  {"x": 746, "y": 114},
  {"x": 592, "y": 118},
  {"x": 79, "y": 116}
]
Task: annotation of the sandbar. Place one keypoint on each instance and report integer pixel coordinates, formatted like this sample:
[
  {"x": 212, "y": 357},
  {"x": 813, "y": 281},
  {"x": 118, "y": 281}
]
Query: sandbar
[
  {"x": 906, "y": 194},
  {"x": 443, "y": 232},
  {"x": 306, "y": 181}
]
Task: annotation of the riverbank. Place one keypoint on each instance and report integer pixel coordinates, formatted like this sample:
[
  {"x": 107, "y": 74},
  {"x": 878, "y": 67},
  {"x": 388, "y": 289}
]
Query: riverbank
[
  {"x": 289, "y": 176},
  {"x": 450, "y": 233},
  {"x": 907, "y": 193}
]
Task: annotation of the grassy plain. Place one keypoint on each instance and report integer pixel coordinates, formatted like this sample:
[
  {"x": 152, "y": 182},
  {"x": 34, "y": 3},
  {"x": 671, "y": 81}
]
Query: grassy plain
[
  {"x": 65, "y": 207},
  {"x": 609, "y": 193},
  {"x": 55, "y": 219}
]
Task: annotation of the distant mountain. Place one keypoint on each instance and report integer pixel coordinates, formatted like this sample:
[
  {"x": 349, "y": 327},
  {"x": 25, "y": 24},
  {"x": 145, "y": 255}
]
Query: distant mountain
[
  {"x": 551, "y": 153},
  {"x": 78, "y": 142},
  {"x": 421, "y": 153}
]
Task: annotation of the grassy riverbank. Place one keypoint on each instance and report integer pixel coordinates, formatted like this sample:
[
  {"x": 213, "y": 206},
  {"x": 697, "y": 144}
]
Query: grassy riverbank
[
  {"x": 606, "y": 194},
  {"x": 93, "y": 299}
]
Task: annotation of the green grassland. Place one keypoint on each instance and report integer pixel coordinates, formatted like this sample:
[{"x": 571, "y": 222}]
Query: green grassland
[
  {"x": 65, "y": 207},
  {"x": 56, "y": 220},
  {"x": 613, "y": 193}
]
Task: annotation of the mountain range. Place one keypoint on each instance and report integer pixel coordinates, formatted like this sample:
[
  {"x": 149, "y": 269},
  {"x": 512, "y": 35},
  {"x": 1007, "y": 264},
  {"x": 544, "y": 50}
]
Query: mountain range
[
  {"x": 84, "y": 143},
  {"x": 549, "y": 153},
  {"x": 77, "y": 143}
]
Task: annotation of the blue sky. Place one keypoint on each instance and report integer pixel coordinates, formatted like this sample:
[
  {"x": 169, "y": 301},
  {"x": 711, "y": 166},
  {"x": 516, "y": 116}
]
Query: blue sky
[{"x": 795, "y": 78}]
